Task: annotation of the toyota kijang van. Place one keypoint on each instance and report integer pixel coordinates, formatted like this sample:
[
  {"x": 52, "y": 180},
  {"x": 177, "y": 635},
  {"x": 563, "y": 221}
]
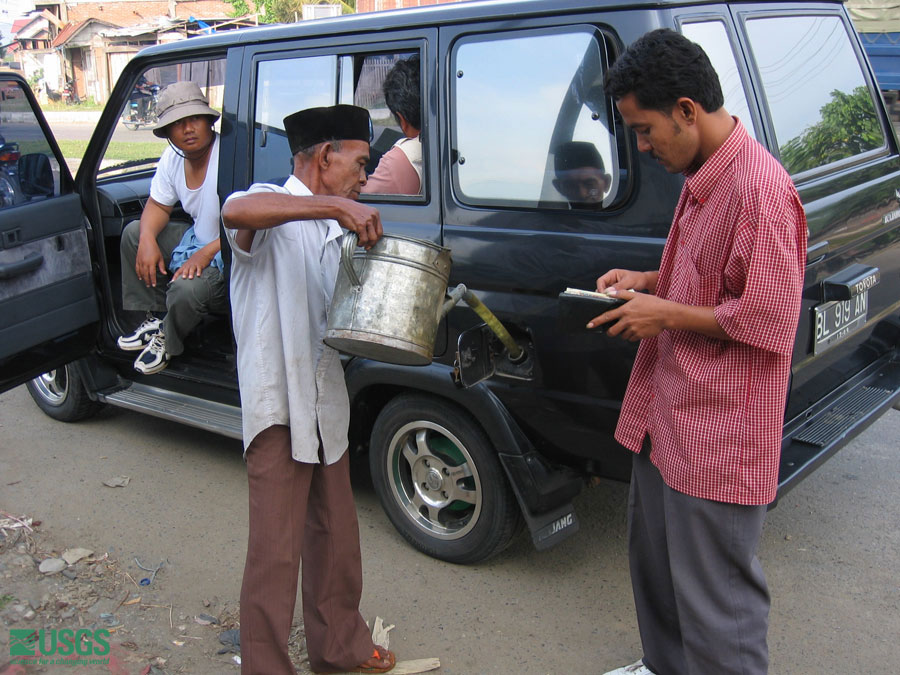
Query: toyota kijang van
[{"x": 467, "y": 450}]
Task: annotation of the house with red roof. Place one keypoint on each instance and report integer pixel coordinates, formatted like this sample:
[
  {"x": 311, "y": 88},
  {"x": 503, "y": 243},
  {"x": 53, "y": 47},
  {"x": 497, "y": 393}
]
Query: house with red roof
[{"x": 87, "y": 43}]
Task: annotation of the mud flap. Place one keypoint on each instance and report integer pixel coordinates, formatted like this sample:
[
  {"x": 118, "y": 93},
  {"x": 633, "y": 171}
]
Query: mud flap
[{"x": 550, "y": 528}]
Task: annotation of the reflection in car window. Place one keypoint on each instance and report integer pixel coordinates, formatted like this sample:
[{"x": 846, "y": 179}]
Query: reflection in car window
[
  {"x": 277, "y": 96},
  {"x": 520, "y": 102},
  {"x": 29, "y": 171},
  {"x": 821, "y": 107},
  {"x": 712, "y": 36},
  {"x": 133, "y": 148}
]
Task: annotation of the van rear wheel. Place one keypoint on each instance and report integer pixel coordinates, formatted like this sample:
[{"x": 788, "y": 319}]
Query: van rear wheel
[
  {"x": 439, "y": 480},
  {"x": 60, "y": 393}
]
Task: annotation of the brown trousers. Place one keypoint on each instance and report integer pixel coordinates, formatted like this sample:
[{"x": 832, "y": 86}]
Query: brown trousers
[{"x": 299, "y": 511}]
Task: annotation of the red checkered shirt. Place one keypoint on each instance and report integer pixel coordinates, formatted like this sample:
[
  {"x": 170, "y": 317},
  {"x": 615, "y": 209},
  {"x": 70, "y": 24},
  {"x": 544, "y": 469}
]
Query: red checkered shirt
[{"x": 714, "y": 409}]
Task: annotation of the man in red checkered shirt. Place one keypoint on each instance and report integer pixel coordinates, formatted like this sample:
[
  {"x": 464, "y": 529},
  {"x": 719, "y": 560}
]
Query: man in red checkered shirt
[{"x": 705, "y": 404}]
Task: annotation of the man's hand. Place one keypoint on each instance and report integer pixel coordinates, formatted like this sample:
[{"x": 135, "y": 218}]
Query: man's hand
[
  {"x": 362, "y": 219},
  {"x": 645, "y": 316},
  {"x": 642, "y": 316},
  {"x": 193, "y": 266},
  {"x": 149, "y": 259},
  {"x": 623, "y": 280}
]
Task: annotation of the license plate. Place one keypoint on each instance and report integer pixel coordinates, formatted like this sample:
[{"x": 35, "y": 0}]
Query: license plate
[{"x": 838, "y": 319}]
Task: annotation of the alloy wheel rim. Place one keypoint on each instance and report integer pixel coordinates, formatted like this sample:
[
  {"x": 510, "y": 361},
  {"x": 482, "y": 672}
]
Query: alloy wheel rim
[
  {"x": 53, "y": 386},
  {"x": 434, "y": 479}
]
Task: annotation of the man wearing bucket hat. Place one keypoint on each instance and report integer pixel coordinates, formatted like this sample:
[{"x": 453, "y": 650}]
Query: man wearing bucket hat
[
  {"x": 286, "y": 252},
  {"x": 186, "y": 173}
]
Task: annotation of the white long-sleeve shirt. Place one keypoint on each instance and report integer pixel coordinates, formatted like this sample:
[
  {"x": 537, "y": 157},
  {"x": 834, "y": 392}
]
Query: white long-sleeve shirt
[{"x": 281, "y": 290}]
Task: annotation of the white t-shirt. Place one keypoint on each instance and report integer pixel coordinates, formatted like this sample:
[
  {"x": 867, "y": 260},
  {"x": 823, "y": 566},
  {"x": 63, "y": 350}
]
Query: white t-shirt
[
  {"x": 280, "y": 294},
  {"x": 169, "y": 187}
]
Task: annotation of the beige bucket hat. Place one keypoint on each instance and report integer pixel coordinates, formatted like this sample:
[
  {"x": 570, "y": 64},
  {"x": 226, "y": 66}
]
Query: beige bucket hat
[{"x": 180, "y": 100}]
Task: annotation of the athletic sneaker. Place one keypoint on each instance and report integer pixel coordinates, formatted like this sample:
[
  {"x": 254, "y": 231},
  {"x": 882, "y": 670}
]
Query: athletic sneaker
[
  {"x": 141, "y": 337},
  {"x": 637, "y": 668},
  {"x": 154, "y": 357}
]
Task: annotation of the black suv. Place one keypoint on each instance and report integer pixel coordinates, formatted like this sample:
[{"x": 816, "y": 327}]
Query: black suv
[{"x": 504, "y": 85}]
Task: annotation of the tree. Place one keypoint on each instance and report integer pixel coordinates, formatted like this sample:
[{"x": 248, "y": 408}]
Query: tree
[
  {"x": 284, "y": 11},
  {"x": 849, "y": 126}
]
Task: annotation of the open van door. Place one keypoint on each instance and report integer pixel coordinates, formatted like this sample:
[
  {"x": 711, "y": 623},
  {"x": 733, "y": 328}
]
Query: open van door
[{"x": 49, "y": 311}]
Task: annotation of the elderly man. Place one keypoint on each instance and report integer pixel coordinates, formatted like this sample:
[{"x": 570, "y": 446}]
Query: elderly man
[
  {"x": 286, "y": 248},
  {"x": 704, "y": 407},
  {"x": 187, "y": 173}
]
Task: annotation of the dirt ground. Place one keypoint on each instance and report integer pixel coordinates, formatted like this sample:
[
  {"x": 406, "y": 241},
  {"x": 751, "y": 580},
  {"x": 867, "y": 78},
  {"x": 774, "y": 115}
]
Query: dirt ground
[
  {"x": 149, "y": 632},
  {"x": 830, "y": 551}
]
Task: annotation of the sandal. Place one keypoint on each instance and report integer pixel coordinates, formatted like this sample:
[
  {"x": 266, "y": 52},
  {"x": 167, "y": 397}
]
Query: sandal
[{"x": 381, "y": 661}]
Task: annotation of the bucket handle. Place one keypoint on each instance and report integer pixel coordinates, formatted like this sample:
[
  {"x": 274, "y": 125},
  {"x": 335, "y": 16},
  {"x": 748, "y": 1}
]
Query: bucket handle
[{"x": 348, "y": 246}]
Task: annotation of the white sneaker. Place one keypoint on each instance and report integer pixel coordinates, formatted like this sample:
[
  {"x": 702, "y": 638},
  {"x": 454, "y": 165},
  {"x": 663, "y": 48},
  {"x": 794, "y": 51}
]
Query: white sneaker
[
  {"x": 154, "y": 357},
  {"x": 636, "y": 668},
  {"x": 141, "y": 336}
]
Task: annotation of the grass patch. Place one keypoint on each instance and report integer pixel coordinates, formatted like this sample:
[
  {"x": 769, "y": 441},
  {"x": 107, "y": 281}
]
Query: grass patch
[
  {"x": 118, "y": 150},
  {"x": 20, "y": 104},
  {"x": 59, "y": 106},
  {"x": 5, "y": 600}
]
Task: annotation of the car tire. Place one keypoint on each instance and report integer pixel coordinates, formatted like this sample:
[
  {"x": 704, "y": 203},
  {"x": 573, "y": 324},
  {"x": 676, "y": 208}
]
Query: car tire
[
  {"x": 439, "y": 480},
  {"x": 61, "y": 394}
]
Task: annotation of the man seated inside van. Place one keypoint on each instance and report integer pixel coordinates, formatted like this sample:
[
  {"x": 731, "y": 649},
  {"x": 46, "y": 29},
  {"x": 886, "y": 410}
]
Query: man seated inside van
[
  {"x": 188, "y": 173},
  {"x": 580, "y": 175},
  {"x": 399, "y": 172}
]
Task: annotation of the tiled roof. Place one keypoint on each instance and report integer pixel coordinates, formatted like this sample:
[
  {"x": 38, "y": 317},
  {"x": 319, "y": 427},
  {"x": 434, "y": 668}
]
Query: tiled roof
[
  {"x": 19, "y": 24},
  {"x": 67, "y": 32}
]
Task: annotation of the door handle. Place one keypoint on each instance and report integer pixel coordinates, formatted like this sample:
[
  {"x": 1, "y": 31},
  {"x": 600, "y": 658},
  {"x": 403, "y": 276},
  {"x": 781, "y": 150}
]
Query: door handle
[
  {"x": 816, "y": 252},
  {"x": 20, "y": 267}
]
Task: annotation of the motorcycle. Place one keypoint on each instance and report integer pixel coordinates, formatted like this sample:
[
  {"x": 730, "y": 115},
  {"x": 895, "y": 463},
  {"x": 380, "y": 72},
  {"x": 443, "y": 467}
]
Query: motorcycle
[
  {"x": 70, "y": 94},
  {"x": 10, "y": 192},
  {"x": 140, "y": 111}
]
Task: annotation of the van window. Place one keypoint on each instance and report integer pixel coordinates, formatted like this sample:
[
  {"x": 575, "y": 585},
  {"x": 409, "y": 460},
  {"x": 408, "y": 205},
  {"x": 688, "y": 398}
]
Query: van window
[
  {"x": 713, "y": 37},
  {"x": 29, "y": 171},
  {"x": 355, "y": 79},
  {"x": 532, "y": 125},
  {"x": 132, "y": 148},
  {"x": 278, "y": 94},
  {"x": 814, "y": 85}
]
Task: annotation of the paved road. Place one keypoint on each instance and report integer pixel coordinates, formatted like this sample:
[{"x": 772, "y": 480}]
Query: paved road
[
  {"x": 831, "y": 550},
  {"x": 20, "y": 132}
]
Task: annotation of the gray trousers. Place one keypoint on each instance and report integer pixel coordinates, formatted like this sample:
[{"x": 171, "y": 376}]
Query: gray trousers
[
  {"x": 185, "y": 301},
  {"x": 699, "y": 590}
]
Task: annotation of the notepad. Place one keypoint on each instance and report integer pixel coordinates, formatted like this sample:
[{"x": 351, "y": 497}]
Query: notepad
[{"x": 578, "y": 306}]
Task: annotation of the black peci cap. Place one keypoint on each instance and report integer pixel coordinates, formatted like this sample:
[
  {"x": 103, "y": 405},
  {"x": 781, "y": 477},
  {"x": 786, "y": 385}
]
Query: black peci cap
[
  {"x": 576, "y": 154},
  {"x": 312, "y": 126}
]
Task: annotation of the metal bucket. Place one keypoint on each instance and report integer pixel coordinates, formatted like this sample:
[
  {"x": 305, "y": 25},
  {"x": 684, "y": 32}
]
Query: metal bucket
[{"x": 387, "y": 301}]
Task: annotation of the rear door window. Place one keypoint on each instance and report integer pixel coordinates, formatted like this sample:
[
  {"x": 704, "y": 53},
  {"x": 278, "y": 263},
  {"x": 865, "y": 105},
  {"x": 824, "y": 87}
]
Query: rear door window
[
  {"x": 820, "y": 103},
  {"x": 328, "y": 79},
  {"x": 277, "y": 96},
  {"x": 713, "y": 37},
  {"x": 531, "y": 123}
]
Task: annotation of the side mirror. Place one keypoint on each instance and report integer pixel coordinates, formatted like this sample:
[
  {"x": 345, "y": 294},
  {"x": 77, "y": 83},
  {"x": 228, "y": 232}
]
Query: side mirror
[{"x": 35, "y": 175}]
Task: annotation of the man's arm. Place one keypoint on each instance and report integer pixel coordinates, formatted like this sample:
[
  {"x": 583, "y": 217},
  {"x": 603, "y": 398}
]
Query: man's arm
[
  {"x": 646, "y": 316},
  {"x": 154, "y": 219},
  {"x": 264, "y": 210},
  {"x": 199, "y": 261}
]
